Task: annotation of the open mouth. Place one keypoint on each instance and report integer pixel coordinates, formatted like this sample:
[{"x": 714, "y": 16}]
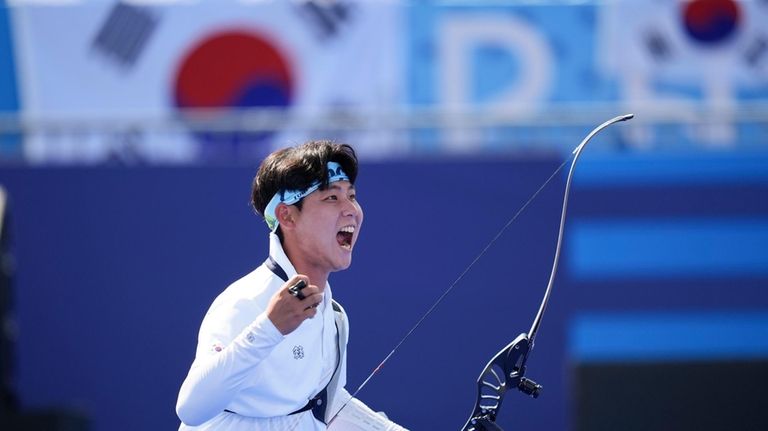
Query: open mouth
[{"x": 344, "y": 237}]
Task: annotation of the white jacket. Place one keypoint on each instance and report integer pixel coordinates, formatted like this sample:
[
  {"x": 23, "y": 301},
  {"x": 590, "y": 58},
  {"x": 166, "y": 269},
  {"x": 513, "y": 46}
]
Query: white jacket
[{"x": 248, "y": 376}]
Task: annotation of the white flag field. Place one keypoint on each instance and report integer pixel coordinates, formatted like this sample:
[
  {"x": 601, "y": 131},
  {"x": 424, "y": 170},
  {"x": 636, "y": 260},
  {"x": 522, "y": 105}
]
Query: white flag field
[{"x": 100, "y": 80}]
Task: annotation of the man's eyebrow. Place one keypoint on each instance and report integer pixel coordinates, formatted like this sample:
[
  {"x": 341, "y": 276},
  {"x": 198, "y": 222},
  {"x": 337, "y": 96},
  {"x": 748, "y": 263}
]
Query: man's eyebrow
[{"x": 338, "y": 187}]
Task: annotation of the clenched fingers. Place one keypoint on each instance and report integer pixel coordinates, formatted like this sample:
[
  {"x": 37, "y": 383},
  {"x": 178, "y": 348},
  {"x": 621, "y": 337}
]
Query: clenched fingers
[{"x": 293, "y": 304}]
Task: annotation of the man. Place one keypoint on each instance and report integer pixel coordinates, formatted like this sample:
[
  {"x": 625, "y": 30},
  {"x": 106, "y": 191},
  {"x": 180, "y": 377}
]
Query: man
[{"x": 271, "y": 352}]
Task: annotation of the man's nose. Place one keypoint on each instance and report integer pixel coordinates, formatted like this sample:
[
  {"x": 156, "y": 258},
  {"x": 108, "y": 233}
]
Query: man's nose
[{"x": 351, "y": 208}]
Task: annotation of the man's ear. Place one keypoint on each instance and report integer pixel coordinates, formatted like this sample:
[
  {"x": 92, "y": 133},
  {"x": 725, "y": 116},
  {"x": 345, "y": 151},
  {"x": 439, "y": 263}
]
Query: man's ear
[{"x": 285, "y": 215}]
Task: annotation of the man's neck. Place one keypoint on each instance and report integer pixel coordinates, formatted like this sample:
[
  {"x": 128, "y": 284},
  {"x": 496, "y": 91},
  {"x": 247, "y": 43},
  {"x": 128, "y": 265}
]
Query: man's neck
[{"x": 317, "y": 277}]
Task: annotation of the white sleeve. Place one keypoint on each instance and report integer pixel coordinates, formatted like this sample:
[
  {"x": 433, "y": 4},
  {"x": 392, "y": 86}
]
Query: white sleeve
[
  {"x": 218, "y": 373},
  {"x": 356, "y": 416}
]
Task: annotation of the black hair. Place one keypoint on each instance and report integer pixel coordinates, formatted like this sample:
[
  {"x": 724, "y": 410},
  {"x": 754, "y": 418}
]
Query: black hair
[{"x": 296, "y": 168}]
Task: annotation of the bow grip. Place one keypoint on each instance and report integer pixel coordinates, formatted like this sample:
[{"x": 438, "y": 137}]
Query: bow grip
[{"x": 505, "y": 370}]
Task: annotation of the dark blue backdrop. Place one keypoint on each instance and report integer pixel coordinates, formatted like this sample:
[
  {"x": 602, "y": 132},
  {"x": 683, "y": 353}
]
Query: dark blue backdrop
[{"x": 117, "y": 266}]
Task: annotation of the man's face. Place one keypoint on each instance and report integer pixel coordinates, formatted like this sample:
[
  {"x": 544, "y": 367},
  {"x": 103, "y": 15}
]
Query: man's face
[{"x": 327, "y": 227}]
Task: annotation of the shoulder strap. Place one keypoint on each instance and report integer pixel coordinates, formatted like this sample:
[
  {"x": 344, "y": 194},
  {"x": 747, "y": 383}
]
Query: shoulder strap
[
  {"x": 276, "y": 268},
  {"x": 319, "y": 402}
]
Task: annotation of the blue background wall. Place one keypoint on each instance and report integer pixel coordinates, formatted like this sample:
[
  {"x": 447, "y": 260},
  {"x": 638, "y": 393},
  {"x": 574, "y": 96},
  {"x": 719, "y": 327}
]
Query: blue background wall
[{"x": 116, "y": 268}]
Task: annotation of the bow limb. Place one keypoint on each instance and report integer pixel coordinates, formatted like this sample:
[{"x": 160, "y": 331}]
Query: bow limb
[
  {"x": 576, "y": 153},
  {"x": 507, "y": 368}
]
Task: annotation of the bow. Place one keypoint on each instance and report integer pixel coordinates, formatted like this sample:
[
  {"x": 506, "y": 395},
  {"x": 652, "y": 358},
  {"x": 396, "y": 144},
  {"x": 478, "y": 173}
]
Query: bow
[{"x": 507, "y": 368}]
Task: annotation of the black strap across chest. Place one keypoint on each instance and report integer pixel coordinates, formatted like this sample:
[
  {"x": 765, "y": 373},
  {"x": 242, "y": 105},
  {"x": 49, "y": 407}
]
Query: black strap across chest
[
  {"x": 276, "y": 268},
  {"x": 319, "y": 402}
]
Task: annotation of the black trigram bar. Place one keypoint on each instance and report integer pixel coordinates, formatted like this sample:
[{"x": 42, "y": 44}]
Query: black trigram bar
[
  {"x": 125, "y": 33},
  {"x": 326, "y": 17}
]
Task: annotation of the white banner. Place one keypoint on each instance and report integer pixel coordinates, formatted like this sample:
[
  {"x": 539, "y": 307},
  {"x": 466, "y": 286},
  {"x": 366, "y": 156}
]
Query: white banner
[{"x": 103, "y": 63}]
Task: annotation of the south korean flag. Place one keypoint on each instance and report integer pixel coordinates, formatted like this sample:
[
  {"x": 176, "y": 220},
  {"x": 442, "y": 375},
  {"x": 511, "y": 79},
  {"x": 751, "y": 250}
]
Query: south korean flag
[{"x": 681, "y": 58}]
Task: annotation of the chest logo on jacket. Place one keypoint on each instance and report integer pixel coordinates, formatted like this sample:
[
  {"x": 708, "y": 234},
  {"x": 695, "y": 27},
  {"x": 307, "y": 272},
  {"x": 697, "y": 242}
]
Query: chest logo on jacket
[{"x": 298, "y": 352}]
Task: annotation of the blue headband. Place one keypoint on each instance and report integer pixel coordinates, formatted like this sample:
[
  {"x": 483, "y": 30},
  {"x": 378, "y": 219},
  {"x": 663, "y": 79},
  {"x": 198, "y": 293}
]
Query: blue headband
[{"x": 290, "y": 197}]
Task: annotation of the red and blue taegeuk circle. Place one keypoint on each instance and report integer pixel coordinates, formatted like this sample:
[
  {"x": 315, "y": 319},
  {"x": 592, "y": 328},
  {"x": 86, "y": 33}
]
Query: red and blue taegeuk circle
[
  {"x": 234, "y": 69},
  {"x": 711, "y": 22}
]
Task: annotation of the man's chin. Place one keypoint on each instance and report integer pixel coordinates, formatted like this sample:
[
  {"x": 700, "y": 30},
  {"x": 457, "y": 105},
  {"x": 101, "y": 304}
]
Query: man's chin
[{"x": 344, "y": 264}]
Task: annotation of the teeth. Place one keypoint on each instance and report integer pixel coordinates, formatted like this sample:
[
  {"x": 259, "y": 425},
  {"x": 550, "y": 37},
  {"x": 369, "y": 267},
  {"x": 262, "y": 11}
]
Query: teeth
[{"x": 348, "y": 229}]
